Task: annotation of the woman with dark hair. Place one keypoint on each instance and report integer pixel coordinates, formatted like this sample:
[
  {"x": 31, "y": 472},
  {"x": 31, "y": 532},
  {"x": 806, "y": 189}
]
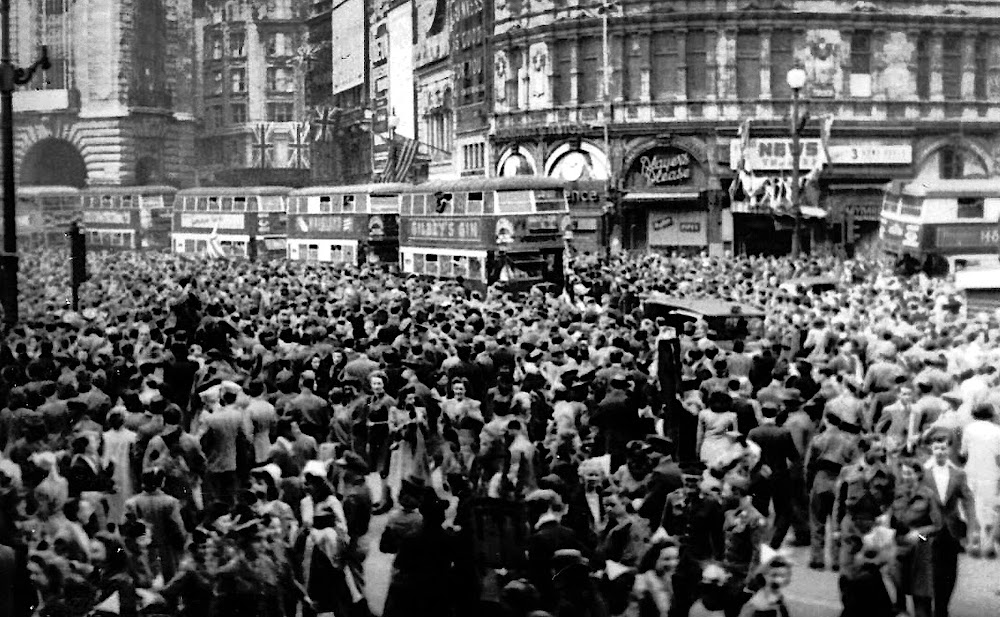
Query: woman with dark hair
[
  {"x": 917, "y": 519},
  {"x": 114, "y": 574},
  {"x": 653, "y": 590}
]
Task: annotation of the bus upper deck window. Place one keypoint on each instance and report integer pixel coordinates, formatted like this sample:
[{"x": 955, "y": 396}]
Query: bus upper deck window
[
  {"x": 324, "y": 204},
  {"x": 251, "y": 204},
  {"x": 106, "y": 201},
  {"x": 239, "y": 204},
  {"x": 348, "y": 203},
  {"x": 127, "y": 201},
  {"x": 214, "y": 204},
  {"x": 202, "y": 204},
  {"x": 444, "y": 203},
  {"x": 418, "y": 205},
  {"x": 227, "y": 204},
  {"x": 474, "y": 204},
  {"x": 406, "y": 205},
  {"x": 971, "y": 207}
]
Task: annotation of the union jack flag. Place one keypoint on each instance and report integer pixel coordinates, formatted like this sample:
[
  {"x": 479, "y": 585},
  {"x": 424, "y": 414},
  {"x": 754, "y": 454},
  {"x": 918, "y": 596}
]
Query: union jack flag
[
  {"x": 324, "y": 123},
  {"x": 298, "y": 147},
  {"x": 263, "y": 146}
]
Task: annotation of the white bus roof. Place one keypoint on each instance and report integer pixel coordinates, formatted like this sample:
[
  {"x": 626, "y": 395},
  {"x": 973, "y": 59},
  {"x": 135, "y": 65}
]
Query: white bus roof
[
  {"x": 966, "y": 187},
  {"x": 982, "y": 278}
]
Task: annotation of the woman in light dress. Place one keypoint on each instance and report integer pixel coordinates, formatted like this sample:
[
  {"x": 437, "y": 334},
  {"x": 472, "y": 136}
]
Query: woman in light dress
[
  {"x": 981, "y": 448},
  {"x": 118, "y": 445},
  {"x": 714, "y": 424}
]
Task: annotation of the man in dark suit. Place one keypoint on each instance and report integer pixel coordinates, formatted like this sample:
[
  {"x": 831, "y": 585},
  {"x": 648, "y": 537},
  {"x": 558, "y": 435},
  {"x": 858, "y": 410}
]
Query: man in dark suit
[
  {"x": 548, "y": 536},
  {"x": 954, "y": 499},
  {"x": 777, "y": 449},
  {"x": 665, "y": 478},
  {"x": 179, "y": 375}
]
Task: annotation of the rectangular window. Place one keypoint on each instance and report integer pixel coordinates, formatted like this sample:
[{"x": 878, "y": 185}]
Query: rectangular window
[
  {"x": 951, "y": 164},
  {"x": 217, "y": 83},
  {"x": 238, "y": 81},
  {"x": 748, "y": 66},
  {"x": 971, "y": 207},
  {"x": 280, "y": 79},
  {"x": 951, "y": 66},
  {"x": 475, "y": 203},
  {"x": 215, "y": 43},
  {"x": 237, "y": 44},
  {"x": 782, "y": 61},
  {"x": 589, "y": 80},
  {"x": 563, "y": 71},
  {"x": 924, "y": 66},
  {"x": 663, "y": 67},
  {"x": 217, "y": 115},
  {"x": 861, "y": 64},
  {"x": 278, "y": 44},
  {"x": 281, "y": 112},
  {"x": 697, "y": 69},
  {"x": 238, "y": 112},
  {"x": 982, "y": 60}
]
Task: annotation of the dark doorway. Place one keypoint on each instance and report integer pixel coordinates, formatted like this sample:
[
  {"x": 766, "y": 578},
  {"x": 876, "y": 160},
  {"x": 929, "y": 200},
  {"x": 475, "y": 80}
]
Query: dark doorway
[{"x": 53, "y": 162}]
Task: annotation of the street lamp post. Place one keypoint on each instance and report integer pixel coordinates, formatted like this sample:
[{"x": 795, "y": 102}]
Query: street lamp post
[
  {"x": 11, "y": 77},
  {"x": 796, "y": 80}
]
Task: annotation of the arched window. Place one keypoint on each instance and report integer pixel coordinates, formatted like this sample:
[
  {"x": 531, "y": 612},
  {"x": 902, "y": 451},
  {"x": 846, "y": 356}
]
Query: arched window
[{"x": 951, "y": 163}]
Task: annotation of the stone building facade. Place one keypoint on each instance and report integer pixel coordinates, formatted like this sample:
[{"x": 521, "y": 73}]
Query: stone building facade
[
  {"x": 252, "y": 57},
  {"x": 912, "y": 89},
  {"x": 116, "y": 107}
]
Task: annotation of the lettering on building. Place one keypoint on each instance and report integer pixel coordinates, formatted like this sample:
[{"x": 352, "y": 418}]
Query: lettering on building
[
  {"x": 92, "y": 217},
  {"x": 575, "y": 197},
  {"x": 325, "y": 224},
  {"x": 666, "y": 169}
]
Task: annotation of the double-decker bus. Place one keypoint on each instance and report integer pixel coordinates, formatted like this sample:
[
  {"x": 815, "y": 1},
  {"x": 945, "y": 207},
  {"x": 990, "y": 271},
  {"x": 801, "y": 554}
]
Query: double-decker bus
[
  {"x": 128, "y": 217},
  {"x": 486, "y": 230},
  {"x": 241, "y": 221},
  {"x": 942, "y": 225},
  {"x": 345, "y": 224},
  {"x": 44, "y": 214}
]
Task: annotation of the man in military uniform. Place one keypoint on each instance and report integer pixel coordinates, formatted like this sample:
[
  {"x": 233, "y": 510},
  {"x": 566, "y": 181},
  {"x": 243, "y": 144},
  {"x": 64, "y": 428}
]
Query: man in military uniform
[
  {"x": 826, "y": 456},
  {"x": 697, "y": 520},
  {"x": 865, "y": 482}
]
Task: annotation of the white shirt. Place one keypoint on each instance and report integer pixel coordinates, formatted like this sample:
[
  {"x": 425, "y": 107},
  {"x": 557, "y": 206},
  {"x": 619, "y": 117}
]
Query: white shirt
[{"x": 942, "y": 475}]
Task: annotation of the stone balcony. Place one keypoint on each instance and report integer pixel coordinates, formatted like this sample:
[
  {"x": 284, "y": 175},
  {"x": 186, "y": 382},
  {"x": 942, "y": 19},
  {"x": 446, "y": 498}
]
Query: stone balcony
[{"x": 586, "y": 118}]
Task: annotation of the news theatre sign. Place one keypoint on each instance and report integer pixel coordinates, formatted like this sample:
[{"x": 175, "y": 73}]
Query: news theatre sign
[{"x": 776, "y": 154}]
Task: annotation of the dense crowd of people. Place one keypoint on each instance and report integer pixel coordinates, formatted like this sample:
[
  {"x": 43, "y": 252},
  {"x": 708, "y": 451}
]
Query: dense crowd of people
[{"x": 220, "y": 437}]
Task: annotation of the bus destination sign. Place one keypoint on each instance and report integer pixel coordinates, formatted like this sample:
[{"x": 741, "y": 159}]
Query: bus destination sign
[{"x": 444, "y": 229}]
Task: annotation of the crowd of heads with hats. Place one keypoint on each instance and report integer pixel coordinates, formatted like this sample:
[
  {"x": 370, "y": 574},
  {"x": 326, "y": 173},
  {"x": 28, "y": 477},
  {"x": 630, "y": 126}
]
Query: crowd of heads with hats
[{"x": 214, "y": 437}]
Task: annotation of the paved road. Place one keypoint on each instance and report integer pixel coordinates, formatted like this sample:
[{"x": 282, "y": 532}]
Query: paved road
[{"x": 811, "y": 594}]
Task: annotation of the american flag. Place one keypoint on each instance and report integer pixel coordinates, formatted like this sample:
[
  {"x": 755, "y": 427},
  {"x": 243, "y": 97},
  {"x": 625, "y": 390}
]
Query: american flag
[{"x": 404, "y": 151}]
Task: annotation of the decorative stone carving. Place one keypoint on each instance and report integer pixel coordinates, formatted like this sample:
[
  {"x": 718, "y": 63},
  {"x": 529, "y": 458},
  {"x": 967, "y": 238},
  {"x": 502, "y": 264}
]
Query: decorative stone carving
[
  {"x": 500, "y": 76},
  {"x": 539, "y": 75},
  {"x": 821, "y": 59},
  {"x": 897, "y": 55}
]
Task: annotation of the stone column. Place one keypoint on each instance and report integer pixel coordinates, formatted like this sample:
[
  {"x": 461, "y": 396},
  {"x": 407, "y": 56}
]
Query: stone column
[
  {"x": 616, "y": 43},
  {"x": 969, "y": 68},
  {"x": 682, "y": 67},
  {"x": 765, "y": 63},
  {"x": 711, "y": 64},
  {"x": 937, "y": 63}
]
